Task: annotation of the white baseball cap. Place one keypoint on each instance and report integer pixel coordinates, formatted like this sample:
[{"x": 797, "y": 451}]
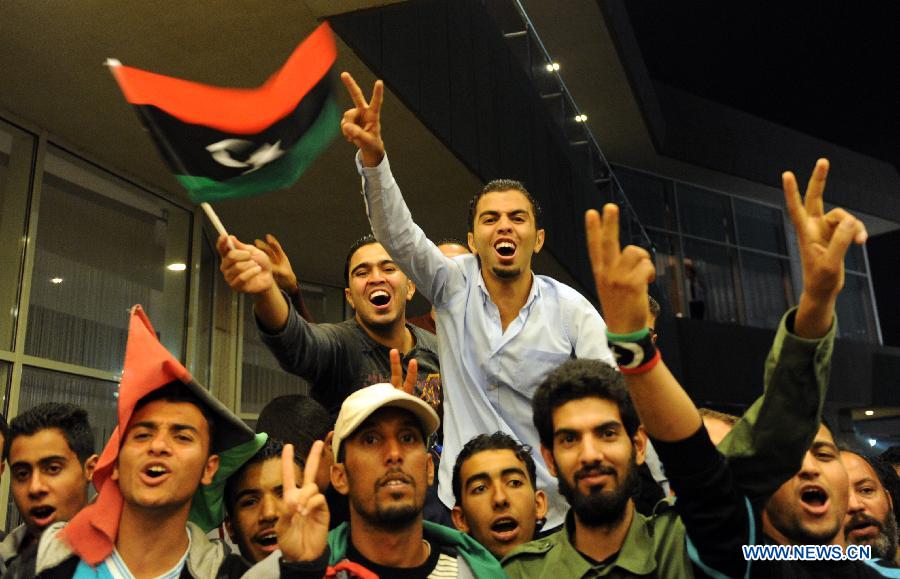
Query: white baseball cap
[{"x": 364, "y": 402}]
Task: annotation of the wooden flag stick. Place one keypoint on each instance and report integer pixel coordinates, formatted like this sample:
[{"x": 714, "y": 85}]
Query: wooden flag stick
[{"x": 217, "y": 223}]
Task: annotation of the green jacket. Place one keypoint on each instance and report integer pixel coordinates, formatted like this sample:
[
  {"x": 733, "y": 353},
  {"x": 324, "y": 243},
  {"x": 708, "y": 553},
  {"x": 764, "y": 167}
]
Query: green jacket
[
  {"x": 472, "y": 556},
  {"x": 653, "y": 546},
  {"x": 761, "y": 455}
]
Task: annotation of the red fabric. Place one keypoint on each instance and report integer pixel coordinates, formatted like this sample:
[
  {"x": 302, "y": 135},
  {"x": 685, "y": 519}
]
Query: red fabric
[
  {"x": 645, "y": 367},
  {"x": 354, "y": 570},
  {"x": 232, "y": 110},
  {"x": 148, "y": 365}
]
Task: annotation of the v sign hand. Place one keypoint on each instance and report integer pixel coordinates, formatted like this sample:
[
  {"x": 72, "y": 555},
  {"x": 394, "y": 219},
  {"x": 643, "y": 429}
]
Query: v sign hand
[
  {"x": 302, "y": 525},
  {"x": 412, "y": 373},
  {"x": 361, "y": 125}
]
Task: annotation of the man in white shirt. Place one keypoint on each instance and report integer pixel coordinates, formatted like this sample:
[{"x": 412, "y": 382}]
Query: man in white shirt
[{"x": 501, "y": 328}]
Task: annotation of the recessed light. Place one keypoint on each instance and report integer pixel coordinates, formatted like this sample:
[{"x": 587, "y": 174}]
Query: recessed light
[
  {"x": 176, "y": 267},
  {"x": 56, "y": 280},
  {"x": 870, "y": 413},
  {"x": 872, "y": 442},
  {"x": 580, "y": 118},
  {"x": 552, "y": 67}
]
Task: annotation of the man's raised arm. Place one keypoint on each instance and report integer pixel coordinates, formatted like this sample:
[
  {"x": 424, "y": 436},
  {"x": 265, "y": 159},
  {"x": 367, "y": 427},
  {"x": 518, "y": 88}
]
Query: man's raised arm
[
  {"x": 761, "y": 452},
  {"x": 622, "y": 276},
  {"x": 390, "y": 219}
]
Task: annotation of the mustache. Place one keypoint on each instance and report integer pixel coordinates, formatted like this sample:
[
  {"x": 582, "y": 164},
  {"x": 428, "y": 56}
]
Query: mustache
[
  {"x": 392, "y": 475},
  {"x": 594, "y": 470},
  {"x": 861, "y": 520}
]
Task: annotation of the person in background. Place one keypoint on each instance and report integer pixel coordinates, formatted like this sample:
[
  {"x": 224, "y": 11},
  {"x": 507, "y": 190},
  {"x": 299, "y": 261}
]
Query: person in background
[
  {"x": 497, "y": 502},
  {"x": 870, "y": 518},
  {"x": 300, "y": 420},
  {"x": 254, "y": 499},
  {"x": 50, "y": 451}
]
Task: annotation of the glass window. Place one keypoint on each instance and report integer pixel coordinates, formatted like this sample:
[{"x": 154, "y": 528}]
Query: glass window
[
  {"x": 854, "y": 310},
  {"x": 262, "y": 379},
  {"x": 668, "y": 290},
  {"x": 98, "y": 397},
  {"x": 650, "y": 196},
  {"x": 709, "y": 282},
  {"x": 103, "y": 245},
  {"x": 766, "y": 282},
  {"x": 4, "y": 388},
  {"x": 705, "y": 214},
  {"x": 855, "y": 260},
  {"x": 16, "y": 158},
  {"x": 760, "y": 226},
  {"x": 209, "y": 270}
]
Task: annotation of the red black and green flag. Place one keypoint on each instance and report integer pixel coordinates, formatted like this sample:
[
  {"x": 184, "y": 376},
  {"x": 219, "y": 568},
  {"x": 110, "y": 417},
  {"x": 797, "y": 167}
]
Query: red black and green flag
[{"x": 225, "y": 142}]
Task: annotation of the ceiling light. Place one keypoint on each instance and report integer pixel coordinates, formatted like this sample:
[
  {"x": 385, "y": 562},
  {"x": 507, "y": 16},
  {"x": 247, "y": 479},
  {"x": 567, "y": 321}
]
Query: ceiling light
[
  {"x": 872, "y": 442},
  {"x": 56, "y": 280},
  {"x": 870, "y": 413},
  {"x": 552, "y": 67},
  {"x": 176, "y": 267},
  {"x": 580, "y": 118}
]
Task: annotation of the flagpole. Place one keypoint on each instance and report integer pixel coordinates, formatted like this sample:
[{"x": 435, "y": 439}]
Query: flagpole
[{"x": 217, "y": 223}]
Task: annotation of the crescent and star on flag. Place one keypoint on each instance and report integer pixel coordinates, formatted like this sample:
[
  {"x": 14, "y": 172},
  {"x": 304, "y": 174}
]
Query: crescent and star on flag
[{"x": 221, "y": 153}]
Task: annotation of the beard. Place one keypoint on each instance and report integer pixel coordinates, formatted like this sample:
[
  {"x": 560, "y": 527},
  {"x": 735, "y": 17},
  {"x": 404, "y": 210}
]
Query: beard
[
  {"x": 601, "y": 507},
  {"x": 391, "y": 517},
  {"x": 502, "y": 273},
  {"x": 789, "y": 524},
  {"x": 884, "y": 545}
]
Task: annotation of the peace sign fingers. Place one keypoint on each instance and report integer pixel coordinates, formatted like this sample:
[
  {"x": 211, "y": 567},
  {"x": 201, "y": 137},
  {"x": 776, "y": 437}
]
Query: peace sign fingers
[{"x": 361, "y": 124}]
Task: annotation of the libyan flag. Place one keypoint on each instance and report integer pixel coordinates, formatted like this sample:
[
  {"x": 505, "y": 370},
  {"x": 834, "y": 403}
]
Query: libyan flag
[{"x": 223, "y": 143}]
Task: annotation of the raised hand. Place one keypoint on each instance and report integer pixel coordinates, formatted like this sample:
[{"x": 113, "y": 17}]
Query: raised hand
[
  {"x": 302, "y": 525},
  {"x": 281, "y": 265},
  {"x": 621, "y": 276},
  {"x": 824, "y": 238},
  {"x": 412, "y": 373},
  {"x": 246, "y": 268},
  {"x": 361, "y": 125}
]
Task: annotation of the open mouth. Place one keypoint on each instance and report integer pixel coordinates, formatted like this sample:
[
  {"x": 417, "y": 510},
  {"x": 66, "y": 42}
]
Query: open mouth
[
  {"x": 814, "y": 499},
  {"x": 505, "y": 248},
  {"x": 267, "y": 540},
  {"x": 156, "y": 471},
  {"x": 42, "y": 515},
  {"x": 505, "y": 529},
  {"x": 379, "y": 298},
  {"x": 395, "y": 481},
  {"x": 863, "y": 528}
]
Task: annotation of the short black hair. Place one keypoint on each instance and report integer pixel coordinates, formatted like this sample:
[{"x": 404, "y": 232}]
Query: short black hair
[
  {"x": 655, "y": 308},
  {"x": 498, "y": 185},
  {"x": 271, "y": 449},
  {"x": 297, "y": 419},
  {"x": 179, "y": 392},
  {"x": 354, "y": 247},
  {"x": 496, "y": 441},
  {"x": 891, "y": 455},
  {"x": 4, "y": 427},
  {"x": 577, "y": 379},
  {"x": 69, "y": 419}
]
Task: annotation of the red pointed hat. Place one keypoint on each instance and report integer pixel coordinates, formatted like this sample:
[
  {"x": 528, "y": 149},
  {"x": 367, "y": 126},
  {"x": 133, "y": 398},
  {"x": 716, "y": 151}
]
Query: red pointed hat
[{"x": 148, "y": 366}]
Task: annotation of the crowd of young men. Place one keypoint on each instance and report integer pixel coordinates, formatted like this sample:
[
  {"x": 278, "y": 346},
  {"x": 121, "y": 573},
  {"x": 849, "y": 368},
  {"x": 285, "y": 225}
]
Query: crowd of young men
[{"x": 546, "y": 413}]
